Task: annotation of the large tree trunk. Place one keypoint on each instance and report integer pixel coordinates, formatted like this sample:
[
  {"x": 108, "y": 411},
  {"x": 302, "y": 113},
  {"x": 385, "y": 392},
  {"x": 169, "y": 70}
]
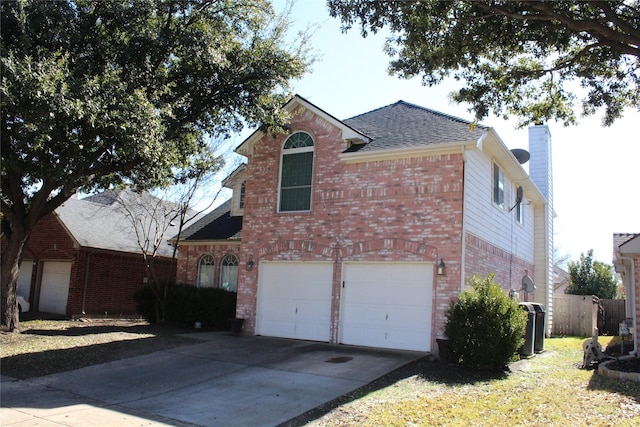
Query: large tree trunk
[{"x": 11, "y": 259}]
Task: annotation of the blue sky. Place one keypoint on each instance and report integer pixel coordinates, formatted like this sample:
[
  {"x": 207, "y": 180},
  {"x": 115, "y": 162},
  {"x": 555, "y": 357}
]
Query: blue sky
[{"x": 595, "y": 169}]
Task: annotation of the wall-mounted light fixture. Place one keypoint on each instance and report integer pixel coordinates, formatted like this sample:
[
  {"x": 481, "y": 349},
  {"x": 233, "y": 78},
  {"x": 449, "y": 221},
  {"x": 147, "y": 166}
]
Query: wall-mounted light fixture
[
  {"x": 441, "y": 268},
  {"x": 250, "y": 264}
]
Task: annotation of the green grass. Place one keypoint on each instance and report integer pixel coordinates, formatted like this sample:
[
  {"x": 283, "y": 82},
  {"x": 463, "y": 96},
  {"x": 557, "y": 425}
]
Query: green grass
[{"x": 548, "y": 389}]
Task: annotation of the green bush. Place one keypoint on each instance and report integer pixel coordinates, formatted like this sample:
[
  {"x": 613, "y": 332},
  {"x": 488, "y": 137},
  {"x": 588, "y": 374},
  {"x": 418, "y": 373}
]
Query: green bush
[
  {"x": 485, "y": 327},
  {"x": 186, "y": 304}
]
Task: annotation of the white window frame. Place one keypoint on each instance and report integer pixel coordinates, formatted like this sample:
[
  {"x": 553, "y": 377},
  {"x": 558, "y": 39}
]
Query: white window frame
[
  {"x": 295, "y": 151},
  {"x": 497, "y": 185},
  {"x": 210, "y": 262},
  {"x": 223, "y": 273}
]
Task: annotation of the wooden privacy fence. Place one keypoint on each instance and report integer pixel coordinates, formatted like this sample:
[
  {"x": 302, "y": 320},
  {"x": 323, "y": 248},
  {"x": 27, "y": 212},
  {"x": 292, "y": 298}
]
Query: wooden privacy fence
[
  {"x": 575, "y": 315},
  {"x": 612, "y": 313},
  {"x": 578, "y": 315}
]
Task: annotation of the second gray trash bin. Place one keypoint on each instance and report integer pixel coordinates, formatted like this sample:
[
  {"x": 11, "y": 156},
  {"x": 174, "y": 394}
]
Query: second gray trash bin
[{"x": 541, "y": 323}]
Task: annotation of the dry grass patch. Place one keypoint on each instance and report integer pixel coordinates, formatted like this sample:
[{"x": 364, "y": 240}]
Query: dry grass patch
[
  {"x": 548, "y": 389},
  {"x": 44, "y": 347}
]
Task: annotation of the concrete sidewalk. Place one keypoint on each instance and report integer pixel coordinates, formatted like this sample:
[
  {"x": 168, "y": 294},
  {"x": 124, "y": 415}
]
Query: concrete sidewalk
[{"x": 225, "y": 381}]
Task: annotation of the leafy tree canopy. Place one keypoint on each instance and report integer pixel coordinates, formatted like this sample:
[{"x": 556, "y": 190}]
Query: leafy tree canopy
[
  {"x": 97, "y": 94},
  {"x": 522, "y": 58},
  {"x": 589, "y": 277}
]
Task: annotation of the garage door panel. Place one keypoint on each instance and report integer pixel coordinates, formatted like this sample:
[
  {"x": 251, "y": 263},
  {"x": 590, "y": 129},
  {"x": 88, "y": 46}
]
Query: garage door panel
[
  {"x": 54, "y": 288},
  {"x": 387, "y": 305},
  {"x": 294, "y": 300}
]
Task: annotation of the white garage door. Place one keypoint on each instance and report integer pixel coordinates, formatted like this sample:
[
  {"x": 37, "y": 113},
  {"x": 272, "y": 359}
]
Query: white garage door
[
  {"x": 54, "y": 289},
  {"x": 387, "y": 305},
  {"x": 294, "y": 300},
  {"x": 24, "y": 278}
]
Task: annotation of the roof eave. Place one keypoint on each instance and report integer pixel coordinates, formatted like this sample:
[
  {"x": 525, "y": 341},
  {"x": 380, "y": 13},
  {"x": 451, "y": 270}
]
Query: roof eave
[{"x": 349, "y": 134}]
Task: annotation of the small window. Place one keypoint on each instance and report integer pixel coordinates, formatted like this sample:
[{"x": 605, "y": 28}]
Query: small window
[
  {"x": 519, "y": 213},
  {"x": 229, "y": 273},
  {"x": 498, "y": 186},
  {"x": 206, "y": 270},
  {"x": 241, "y": 198},
  {"x": 296, "y": 173}
]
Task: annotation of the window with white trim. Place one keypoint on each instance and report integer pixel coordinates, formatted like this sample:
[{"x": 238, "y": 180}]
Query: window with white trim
[
  {"x": 241, "y": 198},
  {"x": 498, "y": 186},
  {"x": 229, "y": 273},
  {"x": 206, "y": 270},
  {"x": 296, "y": 173}
]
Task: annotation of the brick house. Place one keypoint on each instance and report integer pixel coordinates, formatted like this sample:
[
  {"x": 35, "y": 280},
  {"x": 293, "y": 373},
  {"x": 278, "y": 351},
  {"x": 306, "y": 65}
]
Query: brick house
[
  {"x": 626, "y": 260},
  {"x": 84, "y": 259},
  {"x": 362, "y": 231}
]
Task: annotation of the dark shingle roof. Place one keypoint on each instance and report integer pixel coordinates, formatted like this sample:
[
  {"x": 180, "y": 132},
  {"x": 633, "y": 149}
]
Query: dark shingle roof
[
  {"x": 216, "y": 225},
  {"x": 405, "y": 125}
]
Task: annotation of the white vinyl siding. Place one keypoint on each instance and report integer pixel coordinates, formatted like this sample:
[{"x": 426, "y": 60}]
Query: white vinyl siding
[{"x": 482, "y": 219}]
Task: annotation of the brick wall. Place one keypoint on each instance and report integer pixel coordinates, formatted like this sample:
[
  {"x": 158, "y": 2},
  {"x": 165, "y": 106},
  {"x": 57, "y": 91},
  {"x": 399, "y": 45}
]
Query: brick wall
[
  {"x": 483, "y": 258},
  {"x": 113, "y": 276},
  {"x": 190, "y": 254},
  {"x": 407, "y": 209}
]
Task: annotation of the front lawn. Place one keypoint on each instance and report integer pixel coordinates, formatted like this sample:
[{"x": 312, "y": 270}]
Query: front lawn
[{"x": 548, "y": 389}]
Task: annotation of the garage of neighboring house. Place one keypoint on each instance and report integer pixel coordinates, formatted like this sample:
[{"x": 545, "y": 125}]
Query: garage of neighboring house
[
  {"x": 294, "y": 300},
  {"x": 54, "y": 286},
  {"x": 387, "y": 304}
]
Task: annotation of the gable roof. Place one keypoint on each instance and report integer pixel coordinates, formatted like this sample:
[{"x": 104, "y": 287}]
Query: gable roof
[
  {"x": 349, "y": 134},
  {"x": 405, "y": 125},
  {"x": 100, "y": 222},
  {"x": 216, "y": 225}
]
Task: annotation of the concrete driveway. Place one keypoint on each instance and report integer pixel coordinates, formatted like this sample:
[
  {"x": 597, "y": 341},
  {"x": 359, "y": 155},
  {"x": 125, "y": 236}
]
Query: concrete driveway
[{"x": 225, "y": 381}]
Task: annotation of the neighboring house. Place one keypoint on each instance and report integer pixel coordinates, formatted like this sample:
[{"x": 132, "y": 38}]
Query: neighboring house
[
  {"x": 560, "y": 280},
  {"x": 85, "y": 258},
  {"x": 362, "y": 231},
  {"x": 626, "y": 260}
]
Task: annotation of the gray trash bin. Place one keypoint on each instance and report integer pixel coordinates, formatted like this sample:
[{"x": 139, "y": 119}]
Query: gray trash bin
[
  {"x": 541, "y": 326},
  {"x": 529, "y": 332}
]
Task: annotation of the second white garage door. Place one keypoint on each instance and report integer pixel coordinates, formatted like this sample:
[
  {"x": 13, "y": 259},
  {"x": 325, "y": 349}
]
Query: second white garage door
[
  {"x": 294, "y": 300},
  {"x": 387, "y": 305}
]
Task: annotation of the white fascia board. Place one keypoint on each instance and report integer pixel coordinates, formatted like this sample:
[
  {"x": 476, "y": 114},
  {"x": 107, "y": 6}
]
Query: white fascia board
[
  {"x": 234, "y": 242},
  {"x": 399, "y": 153},
  {"x": 229, "y": 181}
]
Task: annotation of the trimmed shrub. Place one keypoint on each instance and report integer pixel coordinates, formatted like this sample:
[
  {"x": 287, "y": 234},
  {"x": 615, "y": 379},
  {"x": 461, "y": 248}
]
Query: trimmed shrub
[
  {"x": 186, "y": 304},
  {"x": 485, "y": 327}
]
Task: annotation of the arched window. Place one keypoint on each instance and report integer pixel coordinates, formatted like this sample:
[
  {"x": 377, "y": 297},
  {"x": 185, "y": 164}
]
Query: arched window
[
  {"x": 206, "y": 270},
  {"x": 229, "y": 273},
  {"x": 296, "y": 173}
]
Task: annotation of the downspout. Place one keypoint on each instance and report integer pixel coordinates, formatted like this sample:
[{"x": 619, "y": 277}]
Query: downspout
[
  {"x": 464, "y": 219},
  {"x": 86, "y": 282},
  {"x": 633, "y": 298}
]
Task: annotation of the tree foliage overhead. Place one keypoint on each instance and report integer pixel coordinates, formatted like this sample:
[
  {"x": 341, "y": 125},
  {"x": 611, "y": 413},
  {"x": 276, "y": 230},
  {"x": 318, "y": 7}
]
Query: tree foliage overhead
[
  {"x": 96, "y": 94},
  {"x": 522, "y": 58},
  {"x": 589, "y": 277}
]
